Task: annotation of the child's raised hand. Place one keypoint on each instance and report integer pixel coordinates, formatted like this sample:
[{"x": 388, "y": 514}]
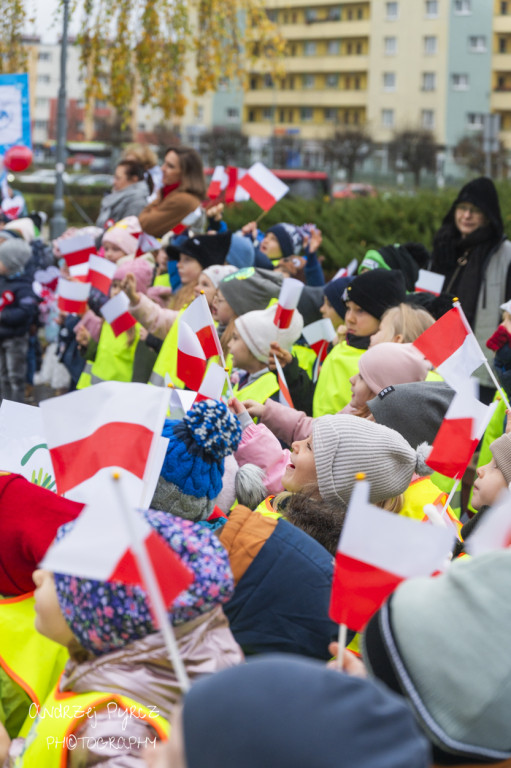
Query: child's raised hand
[
  {"x": 351, "y": 665},
  {"x": 283, "y": 356},
  {"x": 235, "y": 406},
  {"x": 129, "y": 286},
  {"x": 254, "y": 408},
  {"x": 82, "y": 336},
  {"x": 249, "y": 229},
  {"x": 315, "y": 240}
]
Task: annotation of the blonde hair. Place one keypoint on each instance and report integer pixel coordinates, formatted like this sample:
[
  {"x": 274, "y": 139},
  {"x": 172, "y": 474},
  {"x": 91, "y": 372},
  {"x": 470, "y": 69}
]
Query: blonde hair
[
  {"x": 183, "y": 296},
  {"x": 395, "y": 504},
  {"x": 408, "y": 321},
  {"x": 227, "y": 335},
  {"x": 143, "y": 155}
]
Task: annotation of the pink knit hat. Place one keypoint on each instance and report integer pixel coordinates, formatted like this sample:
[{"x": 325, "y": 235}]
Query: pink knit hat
[
  {"x": 387, "y": 364},
  {"x": 140, "y": 268},
  {"x": 124, "y": 234}
]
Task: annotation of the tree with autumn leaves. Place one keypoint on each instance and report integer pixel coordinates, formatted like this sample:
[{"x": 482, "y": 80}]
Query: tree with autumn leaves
[{"x": 152, "y": 49}]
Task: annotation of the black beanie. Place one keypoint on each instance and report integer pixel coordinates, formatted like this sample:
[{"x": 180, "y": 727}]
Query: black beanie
[
  {"x": 206, "y": 249},
  {"x": 408, "y": 258},
  {"x": 377, "y": 290},
  {"x": 334, "y": 292}
]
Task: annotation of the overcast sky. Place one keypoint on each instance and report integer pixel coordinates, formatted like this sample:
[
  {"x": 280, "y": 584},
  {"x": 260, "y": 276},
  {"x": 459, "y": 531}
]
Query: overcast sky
[{"x": 48, "y": 24}]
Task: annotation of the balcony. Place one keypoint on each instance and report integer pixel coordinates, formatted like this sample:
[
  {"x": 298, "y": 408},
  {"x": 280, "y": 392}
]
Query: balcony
[
  {"x": 321, "y": 30},
  {"x": 501, "y": 62},
  {"x": 327, "y": 97},
  {"x": 501, "y": 101},
  {"x": 502, "y": 24},
  {"x": 319, "y": 64}
]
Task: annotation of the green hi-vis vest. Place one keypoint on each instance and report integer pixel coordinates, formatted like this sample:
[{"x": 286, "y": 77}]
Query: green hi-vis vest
[
  {"x": 84, "y": 380},
  {"x": 114, "y": 357},
  {"x": 166, "y": 362},
  {"x": 265, "y": 508},
  {"x": 29, "y": 659},
  {"x": 259, "y": 390},
  {"x": 423, "y": 491},
  {"x": 52, "y": 733},
  {"x": 306, "y": 358},
  {"x": 333, "y": 389},
  {"x": 162, "y": 280}
]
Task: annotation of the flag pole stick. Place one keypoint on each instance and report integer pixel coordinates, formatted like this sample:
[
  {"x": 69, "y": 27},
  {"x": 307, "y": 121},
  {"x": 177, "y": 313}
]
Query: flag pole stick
[
  {"x": 451, "y": 494},
  {"x": 260, "y": 216},
  {"x": 153, "y": 589},
  {"x": 497, "y": 385},
  {"x": 342, "y": 637}
]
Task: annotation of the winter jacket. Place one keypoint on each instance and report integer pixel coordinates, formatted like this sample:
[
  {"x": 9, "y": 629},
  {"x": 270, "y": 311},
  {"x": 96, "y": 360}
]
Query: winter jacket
[
  {"x": 18, "y": 306},
  {"x": 161, "y": 216},
  {"x": 125, "y": 202},
  {"x": 158, "y": 320}
]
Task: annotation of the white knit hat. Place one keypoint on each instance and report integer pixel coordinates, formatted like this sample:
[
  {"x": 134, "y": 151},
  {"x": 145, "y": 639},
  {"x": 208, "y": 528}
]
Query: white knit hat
[
  {"x": 258, "y": 330},
  {"x": 344, "y": 445}
]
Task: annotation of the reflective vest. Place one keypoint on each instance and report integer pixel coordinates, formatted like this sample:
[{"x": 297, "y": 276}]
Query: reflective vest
[
  {"x": 423, "y": 491},
  {"x": 84, "y": 380},
  {"x": 259, "y": 390},
  {"x": 266, "y": 509},
  {"x": 306, "y": 357},
  {"x": 114, "y": 357},
  {"x": 52, "y": 732},
  {"x": 333, "y": 390},
  {"x": 162, "y": 280},
  {"x": 166, "y": 362},
  {"x": 31, "y": 660}
]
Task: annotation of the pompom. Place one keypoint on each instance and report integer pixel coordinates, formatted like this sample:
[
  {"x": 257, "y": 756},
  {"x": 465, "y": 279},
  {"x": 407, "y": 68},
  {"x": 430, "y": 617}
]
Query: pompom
[
  {"x": 422, "y": 452},
  {"x": 214, "y": 428},
  {"x": 250, "y": 489}
]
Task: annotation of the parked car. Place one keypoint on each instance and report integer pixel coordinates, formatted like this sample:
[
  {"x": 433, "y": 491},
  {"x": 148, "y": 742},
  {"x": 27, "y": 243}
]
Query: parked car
[{"x": 345, "y": 190}]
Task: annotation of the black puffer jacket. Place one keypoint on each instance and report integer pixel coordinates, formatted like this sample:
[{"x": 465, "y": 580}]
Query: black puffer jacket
[{"x": 18, "y": 306}]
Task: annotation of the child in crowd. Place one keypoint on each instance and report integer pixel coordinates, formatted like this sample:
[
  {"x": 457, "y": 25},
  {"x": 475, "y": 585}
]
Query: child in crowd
[
  {"x": 402, "y": 324},
  {"x": 120, "y": 241},
  {"x": 495, "y": 477},
  {"x": 500, "y": 343}
]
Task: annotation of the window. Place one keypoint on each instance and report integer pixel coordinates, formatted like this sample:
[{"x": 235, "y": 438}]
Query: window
[
  {"x": 309, "y": 48},
  {"x": 311, "y": 15},
  {"x": 42, "y": 125},
  {"x": 291, "y": 82},
  {"x": 428, "y": 119},
  {"x": 308, "y": 81},
  {"x": 44, "y": 56},
  {"x": 268, "y": 113},
  {"x": 391, "y": 11},
  {"x": 306, "y": 114},
  {"x": 357, "y": 83},
  {"x": 332, "y": 81},
  {"x": 477, "y": 43},
  {"x": 282, "y": 115},
  {"x": 431, "y": 9},
  {"x": 333, "y": 47},
  {"x": 358, "y": 48},
  {"x": 41, "y": 101},
  {"x": 253, "y": 83},
  {"x": 290, "y": 115},
  {"x": 223, "y": 83},
  {"x": 389, "y": 81},
  {"x": 268, "y": 81},
  {"x": 43, "y": 79},
  {"x": 502, "y": 45},
  {"x": 233, "y": 114},
  {"x": 428, "y": 81},
  {"x": 330, "y": 114},
  {"x": 460, "y": 82},
  {"x": 463, "y": 7},
  {"x": 430, "y": 45},
  {"x": 390, "y": 46},
  {"x": 387, "y": 118},
  {"x": 334, "y": 14},
  {"x": 141, "y": 127},
  {"x": 475, "y": 121},
  {"x": 360, "y": 14},
  {"x": 251, "y": 116},
  {"x": 504, "y": 8},
  {"x": 199, "y": 113}
]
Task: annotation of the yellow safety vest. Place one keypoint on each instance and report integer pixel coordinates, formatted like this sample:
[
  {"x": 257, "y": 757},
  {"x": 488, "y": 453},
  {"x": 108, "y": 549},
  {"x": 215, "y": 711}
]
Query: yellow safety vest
[
  {"x": 306, "y": 358},
  {"x": 259, "y": 390},
  {"x": 31, "y": 660},
  {"x": 52, "y": 732},
  {"x": 333, "y": 390},
  {"x": 162, "y": 280},
  {"x": 84, "y": 380},
  {"x": 166, "y": 362},
  {"x": 114, "y": 357},
  {"x": 423, "y": 491},
  {"x": 266, "y": 509}
]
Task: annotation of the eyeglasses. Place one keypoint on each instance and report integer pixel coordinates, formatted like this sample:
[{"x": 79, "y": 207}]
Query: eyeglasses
[{"x": 469, "y": 208}]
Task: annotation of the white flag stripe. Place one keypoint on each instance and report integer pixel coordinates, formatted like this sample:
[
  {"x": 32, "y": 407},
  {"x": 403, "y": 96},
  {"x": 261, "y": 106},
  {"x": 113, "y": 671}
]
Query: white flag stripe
[
  {"x": 102, "y": 265},
  {"x": 197, "y": 314},
  {"x": 464, "y": 361},
  {"x": 153, "y": 471},
  {"x": 69, "y": 289},
  {"x": 79, "y": 270},
  {"x": 290, "y": 293},
  {"x": 266, "y": 179},
  {"x": 192, "y": 217},
  {"x": 180, "y": 402},
  {"x": 115, "y": 307},
  {"x": 320, "y": 330},
  {"x": 213, "y": 382},
  {"x": 78, "y": 414},
  {"x": 188, "y": 343},
  {"x": 430, "y": 281},
  {"x": 419, "y": 545},
  {"x": 494, "y": 530},
  {"x": 76, "y": 243}
]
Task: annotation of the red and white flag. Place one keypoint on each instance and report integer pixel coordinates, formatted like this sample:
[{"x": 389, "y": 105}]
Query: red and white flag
[
  {"x": 180, "y": 402},
  {"x": 77, "y": 249},
  {"x": 198, "y": 316},
  {"x": 218, "y": 182},
  {"x": 213, "y": 383},
  {"x": 429, "y": 282},
  {"x": 284, "y": 394},
  {"x": 240, "y": 194},
  {"x": 451, "y": 347},
  {"x": 319, "y": 335},
  {"x": 461, "y": 430},
  {"x": 289, "y": 297},
  {"x": 191, "y": 360},
  {"x": 190, "y": 220},
  {"x": 263, "y": 186},
  {"x": 13, "y": 206},
  {"x": 146, "y": 243},
  {"x": 494, "y": 530},
  {"x": 90, "y": 432},
  {"x": 101, "y": 272},
  {"x": 346, "y": 271},
  {"x": 377, "y": 551},
  {"x": 116, "y": 313},
  {"x": 72, "y": 296},
  {"x": 100, "y": 547}
]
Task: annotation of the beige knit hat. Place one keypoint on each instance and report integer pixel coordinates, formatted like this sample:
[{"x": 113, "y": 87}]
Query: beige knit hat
[
  {"x": 501, "y": 452},
  {"x": 258, "y": 330},
  {"x": 344, "y": 445}
]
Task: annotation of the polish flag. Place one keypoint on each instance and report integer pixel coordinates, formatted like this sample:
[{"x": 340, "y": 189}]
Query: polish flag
[
  {"x": 77, "y": 249},
  {"x": 377, "y": 551},
  {"x": 213, "y": 383},
  {"x": 319, "y": 335},
  {"x": 263, "y": 186},
  {"x": 289, "y": 297},
  {"x": 80, "y": 272},
  {"x": 241, "y": 195},
  {"x": 461, "y": 430},
  {"x": 429, "y": 282},
  {"x": 284, "y": 394},
  {"x": 189, "y": 221},
  {"x": 451, "y": 347},
  {"x": 111, "y": 426},
  {"x": 147, "y": 243},
  {"x": 191, "y": 360},
  {"x": 72, "y": 296},
  {"x": 198, "y": 316},
  {"x": 100, "y": 545},
  {"x": 116, "y": 313},
  {"x": 180, "y": 402},
  {"x": 101, "y": 272},
  {"x": 232, "y": 184},
  {"x": 494, "y": 530},
  {"x": 218, "y": 182},
  {"x": 346, "y": 271}
]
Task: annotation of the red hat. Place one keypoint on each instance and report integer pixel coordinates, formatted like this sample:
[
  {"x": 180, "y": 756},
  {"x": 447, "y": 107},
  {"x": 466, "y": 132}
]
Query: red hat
[{"x": 29, "y": 519}]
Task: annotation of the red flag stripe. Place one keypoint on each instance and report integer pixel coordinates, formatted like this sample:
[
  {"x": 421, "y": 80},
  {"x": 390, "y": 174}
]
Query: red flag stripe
[
  {"x": 117, "y": 444},
  {"x": 72, "y": 306},
  {"x": 100, "y": 281},
  {"x": 232, "y": 183},
  {"x": 190, "y": 369},
  {"x": 122, "y": 323},
  {"x": 206, "y": 336},
  {"x": 78, "y": 257},
  {"x": 453, "y": 447},
  {"x": 259, "y": 195},
  {"x": 358, "y": 590},
  {"x": 443, "y": 338},
  {"x": 178, "y": 229},
  {"x": 283, "y": 317}
]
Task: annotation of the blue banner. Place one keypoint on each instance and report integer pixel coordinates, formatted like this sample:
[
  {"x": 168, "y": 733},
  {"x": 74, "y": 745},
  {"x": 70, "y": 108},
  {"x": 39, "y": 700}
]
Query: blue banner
[{"x": 14, "y": 112}]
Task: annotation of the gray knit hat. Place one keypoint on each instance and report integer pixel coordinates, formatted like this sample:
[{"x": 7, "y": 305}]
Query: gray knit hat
[
  {"x": 501, "y": 452},
  {"x": 250, "y": 289},
  {"x": 14, "y": 254},
  {"x": 415, "y": 410},
  {"x": 459, "y": 691},
  {"x": 258, "y": 330},
  {"x": 344, "y": 445}
]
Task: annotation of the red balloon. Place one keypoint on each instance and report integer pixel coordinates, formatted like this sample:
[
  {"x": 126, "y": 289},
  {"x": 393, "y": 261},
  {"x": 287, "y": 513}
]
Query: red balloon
[{"x": 18, "y": 158}]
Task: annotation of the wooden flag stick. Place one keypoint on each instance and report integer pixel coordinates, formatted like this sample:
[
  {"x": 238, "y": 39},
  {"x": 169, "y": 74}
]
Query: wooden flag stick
[
  {"x": 497, "y": 385},
  {"x": 341, "y": 638}
]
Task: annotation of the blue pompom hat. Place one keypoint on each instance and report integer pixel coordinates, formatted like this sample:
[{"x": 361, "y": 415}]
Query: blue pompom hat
[{"x": 192, "y": 471}]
